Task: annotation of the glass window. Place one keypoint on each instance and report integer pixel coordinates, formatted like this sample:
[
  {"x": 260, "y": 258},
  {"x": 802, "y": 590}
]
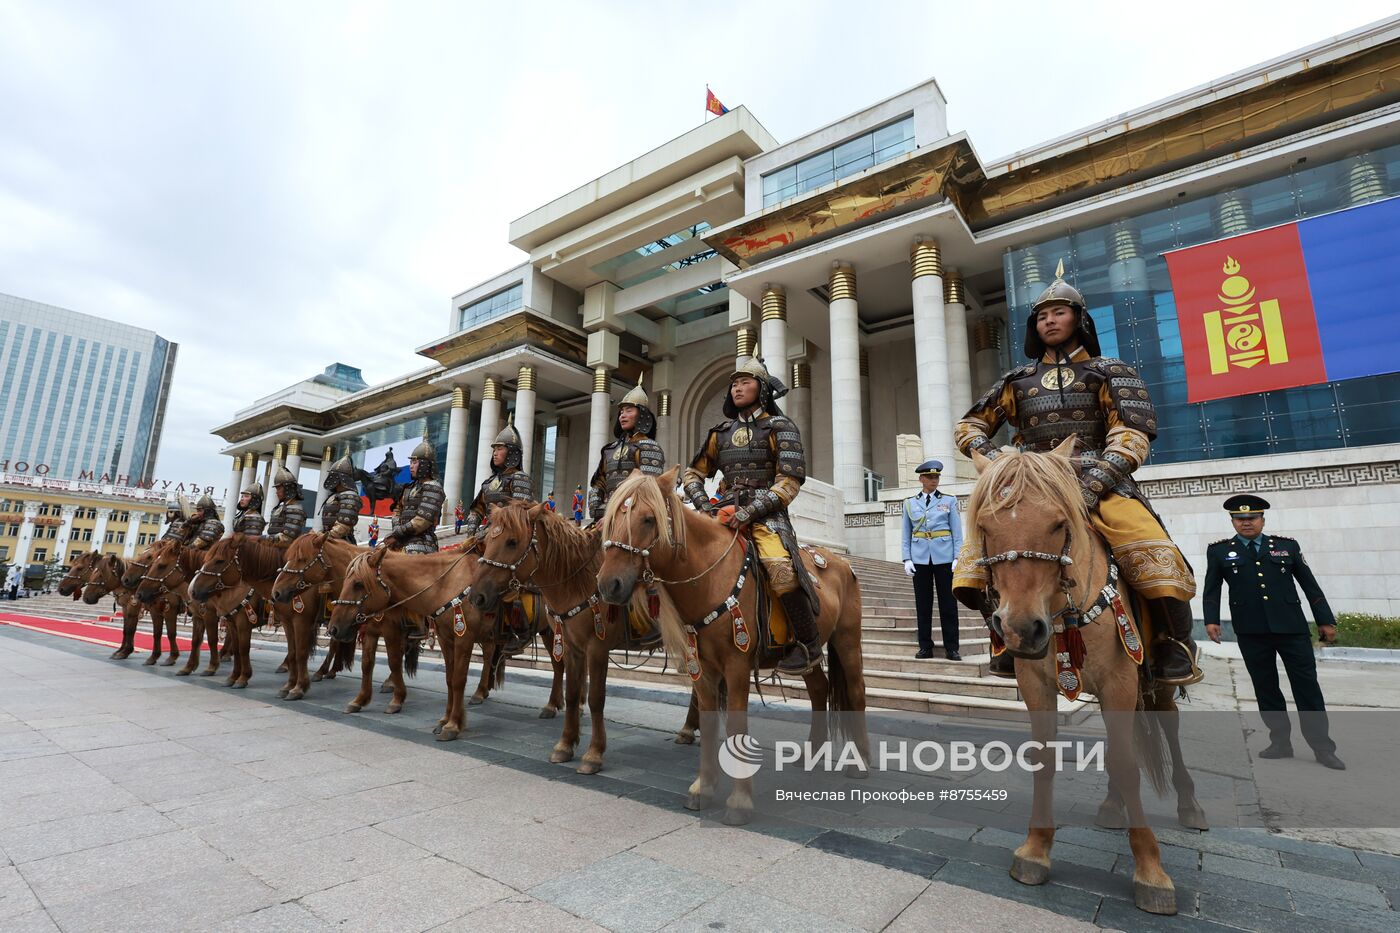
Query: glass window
[
  {"x": 492, "y": 306},
  {"x": 815, "y": 171},
  {"x": 854, "y": 155}
]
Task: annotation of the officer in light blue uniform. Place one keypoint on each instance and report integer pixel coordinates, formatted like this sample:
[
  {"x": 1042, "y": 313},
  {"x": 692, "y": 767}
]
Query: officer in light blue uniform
[{"x": 932, "y": 538}]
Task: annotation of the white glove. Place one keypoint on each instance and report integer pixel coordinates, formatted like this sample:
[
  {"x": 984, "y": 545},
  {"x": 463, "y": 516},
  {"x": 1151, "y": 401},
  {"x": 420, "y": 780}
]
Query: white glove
[
  {"x": 909, "y": 567},
  {"x": 955, "y": 563}
]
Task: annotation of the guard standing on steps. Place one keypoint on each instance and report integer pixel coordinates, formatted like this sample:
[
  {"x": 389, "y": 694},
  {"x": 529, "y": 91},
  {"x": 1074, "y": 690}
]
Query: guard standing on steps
[
  {"x": 932, "y": 537},
  {"x": 1268, "y": 619}
]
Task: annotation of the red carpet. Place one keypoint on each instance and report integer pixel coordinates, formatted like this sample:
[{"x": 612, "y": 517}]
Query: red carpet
[{"x": 89, "y": 631}]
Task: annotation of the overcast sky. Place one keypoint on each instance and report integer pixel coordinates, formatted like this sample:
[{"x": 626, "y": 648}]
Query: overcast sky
[{"x": 261, "y": 181}]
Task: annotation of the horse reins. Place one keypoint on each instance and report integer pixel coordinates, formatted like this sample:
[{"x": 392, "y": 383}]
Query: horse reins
[{"x": 361, "y": 616}]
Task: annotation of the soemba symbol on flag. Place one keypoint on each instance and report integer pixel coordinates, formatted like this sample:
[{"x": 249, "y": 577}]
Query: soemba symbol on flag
[{"x": 1244, "y": 333}]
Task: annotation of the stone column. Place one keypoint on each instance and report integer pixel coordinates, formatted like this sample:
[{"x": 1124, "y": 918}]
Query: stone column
[
  {"x": 490, "y": 427},
  {"x": 26, "y": 537},
  {"x": 562, "y": 486},
  {"x": 599, "y": 424},
  {"x": 959, "y": 357},
  {"x": 293, "y": 463},
  {"x": 270, "y": 497},
  {"x": 231, "y": 495},
  {"x": 456, "y": 464},
  {"x": 867, "y": 459},
  {"x": 133, "y": 530},
  {"x": 99, "y": 531},
  {"x": 846, "y": 421},
  {"x": 65, "y": 531},
  {"x": 745, "y": 342},
  {"x": 987, "y": 336},
  {"x": 250, "y": 471},
  {"x": 327, "y": 458},
  {"x": 665, "y": 428},
  {"x": 931, "y": 354},
  {"x": 525, "y": 415},
  {"x": 798, "y": 403},
  {"x": 774, "y": 337}
]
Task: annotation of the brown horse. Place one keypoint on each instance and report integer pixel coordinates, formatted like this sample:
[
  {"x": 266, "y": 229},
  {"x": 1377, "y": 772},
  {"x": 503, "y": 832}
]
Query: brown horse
[
  {"x": 312, "y": 575},
  {"x": 1046, "y": 563},
  {"x": 171, "y": 567},
  {"x": 172, "y": 597},
  {"x": 542, "y": 550},
  {"x": 700, "y": 564},
  {"x": 104, "y": 578},
  {"x": 77, "y": 575}
]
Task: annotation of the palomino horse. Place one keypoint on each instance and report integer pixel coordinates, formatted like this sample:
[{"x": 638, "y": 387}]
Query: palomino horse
[
  {"x": 310, "y": 578},
  {"x": 533, "y": 543},
  {"x": 238, "y": 573},
  {"x": 1046, "y": 565},
  {"x": 105, "y": 577},
  {"x": 171, "y": 597},
  {"x": 651, "y": 538},
  {"x": 171, "y": 569}
]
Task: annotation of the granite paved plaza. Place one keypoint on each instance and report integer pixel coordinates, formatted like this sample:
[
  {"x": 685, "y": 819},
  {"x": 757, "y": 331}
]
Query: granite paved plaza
[{"x": 132, "y": 799}]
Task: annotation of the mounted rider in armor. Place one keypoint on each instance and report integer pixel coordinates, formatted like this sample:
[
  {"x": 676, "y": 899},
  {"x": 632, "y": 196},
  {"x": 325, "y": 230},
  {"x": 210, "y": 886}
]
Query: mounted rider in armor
[
  {"x": 506, "y": 482},
  {"x": 420, "y": 506},
  {"x": 248, "y": 518},
  {"x": 340, "y": 512},
  {"x": 176, "y": 516},
  {"x": 759, "y": 452},
  {"x": 205, "y": 527},
  {"x": 635, "y": 449},
  {"x": 1069, "y": 388},
  {"x": 288, "y": 521}
]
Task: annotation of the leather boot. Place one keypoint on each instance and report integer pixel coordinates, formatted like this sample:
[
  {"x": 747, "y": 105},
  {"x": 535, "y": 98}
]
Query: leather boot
[
  {"x": 806, "y": 652},
  {"x": 1002, "y": 665},
  {"x": 1175, "y": 655}
]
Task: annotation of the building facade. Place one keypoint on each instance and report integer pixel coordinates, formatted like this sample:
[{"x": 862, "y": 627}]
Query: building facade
[
  {"x": 81, "y": 397},
  {"x": 885, "y": 271}
]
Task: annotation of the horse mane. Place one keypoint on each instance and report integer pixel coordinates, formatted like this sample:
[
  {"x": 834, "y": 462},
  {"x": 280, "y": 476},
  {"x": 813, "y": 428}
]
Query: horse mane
[
  {"x": 189, "y": 560},
  {"x": 644, "y": 492},
  {"x": 1017, "y": 477},
  {"x": 262, "y": 558},
  {"x": 571, "y": 549}
]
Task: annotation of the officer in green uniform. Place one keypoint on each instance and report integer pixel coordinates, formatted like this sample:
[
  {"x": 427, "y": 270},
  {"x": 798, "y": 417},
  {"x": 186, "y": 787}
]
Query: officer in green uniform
[{"x": 1268, "y": 619}]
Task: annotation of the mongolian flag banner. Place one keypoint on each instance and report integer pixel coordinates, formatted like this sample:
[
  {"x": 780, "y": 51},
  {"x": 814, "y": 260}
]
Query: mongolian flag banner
[
  {"x": 713, "y": 105},
  {"x": 1290, "y": 306}
]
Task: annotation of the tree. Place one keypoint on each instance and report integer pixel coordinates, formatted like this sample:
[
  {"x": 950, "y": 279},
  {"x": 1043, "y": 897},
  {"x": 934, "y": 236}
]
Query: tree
[{"x": 53, "y": 573}]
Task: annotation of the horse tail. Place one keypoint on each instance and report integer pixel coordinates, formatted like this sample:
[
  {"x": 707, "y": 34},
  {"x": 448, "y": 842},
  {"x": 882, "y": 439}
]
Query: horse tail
[
  {"x": 343, "y": 653},
  {"x": 668, "y": 620},
  {"x": 410, "y": 656},
  {"x": 1150, "y": 741}
]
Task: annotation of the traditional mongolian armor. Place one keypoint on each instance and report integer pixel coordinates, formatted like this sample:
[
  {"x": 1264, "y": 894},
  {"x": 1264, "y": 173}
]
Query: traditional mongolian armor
[
  {"x": 340, "y": 512},
  {"x": 420, "y": 506},
  {"x": 288, "y": 521},
  {"x": 759, "y": 451},
  {"x": 208, "y": 528},
  {"x": 177, "y": 515},
  {"x": 636, "y": 449},
  {"x": 505, "y": 483},
  {"x": 1106, "y": 405},
  {"x": 249, "y": 520}
]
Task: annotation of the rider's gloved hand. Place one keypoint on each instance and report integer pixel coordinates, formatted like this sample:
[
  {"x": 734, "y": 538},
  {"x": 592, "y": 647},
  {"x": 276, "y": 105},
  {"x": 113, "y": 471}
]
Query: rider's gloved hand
[{"x": 909, "y": 567}]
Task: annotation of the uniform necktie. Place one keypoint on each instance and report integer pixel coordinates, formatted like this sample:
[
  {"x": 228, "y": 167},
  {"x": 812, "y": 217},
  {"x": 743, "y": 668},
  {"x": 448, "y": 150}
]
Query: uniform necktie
[
  {"x": 925, "y": 500},
  {"x": 1254, "y": 546}
]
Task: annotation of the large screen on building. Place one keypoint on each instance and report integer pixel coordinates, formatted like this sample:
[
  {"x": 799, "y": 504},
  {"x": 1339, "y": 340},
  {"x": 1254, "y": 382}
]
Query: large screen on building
[
  {"x": 1299, "y": 304},
  {"x": 385, "y": 462}
]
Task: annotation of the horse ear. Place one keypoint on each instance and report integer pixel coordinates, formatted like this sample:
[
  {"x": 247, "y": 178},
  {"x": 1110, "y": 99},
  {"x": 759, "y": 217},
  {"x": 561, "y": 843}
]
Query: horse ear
[
  {"x": 667, "y": 480},
  {"x": 535, "y": 511},
  {"x": 1065, "y": 448},
  {"x": 979, "y": 461}
]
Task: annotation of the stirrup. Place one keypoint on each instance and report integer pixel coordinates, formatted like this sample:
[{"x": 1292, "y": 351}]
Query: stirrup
[
  {"x": 1192, "y": 652},
  {"x": 812, "y": 654}
]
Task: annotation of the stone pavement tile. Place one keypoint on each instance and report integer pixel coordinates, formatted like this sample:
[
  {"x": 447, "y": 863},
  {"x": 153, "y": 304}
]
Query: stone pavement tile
[
  {"x": 1267, "y": 895},
  {"x": 16, "y": 898},
  {"x": 350, "y": 778},
  {"x": 520, "y": 852},
  {"x": 724, "y": 853},
  {"x": 1296, "y": 881},
  {"x": 36, "y": 921},
  {"x": 204, "y": 809},
  {"x": 791, "y": 830},
  {"x": 1379, "y": 861},
  {"x": 627, "y": 892},
  {"x": 415, "y": 895},
  {"x": 296, "y": 868},
  {"x": 1174, "y": 859},
  {"x": 100, "y": 735},
  {"x": 175, "y": 788},
  {"x": 1208, "y": 842},
  {"x": 519, "y": 913},
  {"x": 879, "y": 852},
  {"x": 950, "y": 907},
  {"x": 448, "y": 826},
  {"x": 55, "y": 837},
  {"x": 288, "y": 917},
  {"x": 281, "y": 765},
  {"x": 110, "y": 761},
  {"x": 83, "y": 719},
  {"x": 951, "y": 847},
  {"x": 189, "y": 901},
  {"x": 251, "y": 834},
  {"x": 1069, "y": 902},
  {"x": 27, "y": 743},
  {"x": 1345, "y": 912},
  {"x": 380, "y": 804},
  {"x": 866, "y": 895},
  {"x": 622, "y": 820},
  {"x": 1063, "y": 851},
  {"x": 66, "y": 803},
  {"x": 157, "y": 766},
  {"x": 1250, "y": 916},
  {"x": 1267, "y": 840},
  {"x": 104, "y": 869},
  {"x": 243, "y": 747},
  {"x": 746, "y": 911},
  {"x": 1116, "y": 914},
  {"x": 1337, "y": 869}
]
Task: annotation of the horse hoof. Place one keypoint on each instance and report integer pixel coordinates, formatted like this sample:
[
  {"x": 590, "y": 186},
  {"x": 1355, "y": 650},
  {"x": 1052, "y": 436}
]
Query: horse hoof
[
  {"x": 1192, "y": 818},
  {"x": 475, "y": 700},
  {"x": 548, "y": 712},
  {"x": 241, "y": 685},
  {"x": 283, "y": 692},
  {"x": 207, "y": 673},
  {"x": 296, "y": 694},
  {"x": 170, "y": 661},
  {"x": 560, "y": 755},
  {"x": 855, "y": 773},
  {"x": 330, "y": 676},
  {"x": 685, "y": 738},
  {"x": 183, "y": 672},
  {"x": 149, "y": 662},
  {"x": 589, "y": 767},
  {"x": 386, "y": 687},
  {"x": 736, "y": 817},
  {"x": 1029, "y": 872},
  {"x": 317, "y": 677},
  {"x": 281, "y": 669},
  {"x": 448, "y": 735},
  {"x": 353, "y": 707},
  {"x": 1154, "y": 899},
  {"x": 1110, "y": 818},
  {"x": 698, "y": 802},
  {"x": 393, "y": 708}
]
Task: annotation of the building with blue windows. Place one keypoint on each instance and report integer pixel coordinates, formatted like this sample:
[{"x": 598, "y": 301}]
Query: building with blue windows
[
  {"x": 81, "y": 397},
  {"x": 885, "y": 269}
]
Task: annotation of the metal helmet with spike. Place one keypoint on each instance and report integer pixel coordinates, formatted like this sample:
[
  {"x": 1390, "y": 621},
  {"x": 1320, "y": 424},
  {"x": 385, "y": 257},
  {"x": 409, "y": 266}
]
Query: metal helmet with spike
[
  {"x": 770, "y": 388},
  {"x": 509, "y": 438},
  {"x": 341, "y": 474},
  {"x": 1061, "y": 292},
  {"x": 182, "y": 503},
  {"x": 646, "y": 420},
  {"x": 254, "y": 492},
  {"x": 205, "y": 504},
  {"x": 426, "y": 457}
]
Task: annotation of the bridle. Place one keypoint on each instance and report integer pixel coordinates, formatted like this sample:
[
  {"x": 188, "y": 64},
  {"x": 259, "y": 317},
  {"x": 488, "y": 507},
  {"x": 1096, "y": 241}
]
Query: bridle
[
  {"x": 300, "y": 574},
  {"x": 360, "y": 615},
  {"x": 219, "y": 584},
  {"x": 1062, "y": 559},
  {"x": 649, "y": 577},
  {"x": 516, "y": 584}
]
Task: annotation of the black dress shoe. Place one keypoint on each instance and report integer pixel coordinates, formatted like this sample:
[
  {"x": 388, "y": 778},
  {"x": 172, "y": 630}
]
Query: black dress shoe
[
  {"x": 1277, "y": 750},
  {"x": 1330, "y": 760},
  {"x": 953, "y": 656},
  {"x": 924, "y": 654}
]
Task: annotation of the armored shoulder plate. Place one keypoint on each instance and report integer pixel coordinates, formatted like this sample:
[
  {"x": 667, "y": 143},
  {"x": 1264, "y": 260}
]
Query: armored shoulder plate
[
  {"x": 792, "y": 459},
  {"x": 652, "y": 457}
]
